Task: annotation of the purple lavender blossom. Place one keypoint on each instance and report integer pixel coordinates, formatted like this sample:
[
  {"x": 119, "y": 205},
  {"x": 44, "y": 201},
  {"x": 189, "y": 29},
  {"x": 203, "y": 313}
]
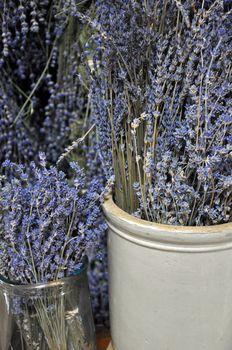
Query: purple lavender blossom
[
  {"x": 39, "y": 61},
  {"x": 47, "y": 224},
  {"x": 161, "y": 94},
  {"x": 35, "y": 35}
]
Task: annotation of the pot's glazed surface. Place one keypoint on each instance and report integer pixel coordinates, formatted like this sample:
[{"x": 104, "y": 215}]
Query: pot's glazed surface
[{"x": 170, "y": 286}]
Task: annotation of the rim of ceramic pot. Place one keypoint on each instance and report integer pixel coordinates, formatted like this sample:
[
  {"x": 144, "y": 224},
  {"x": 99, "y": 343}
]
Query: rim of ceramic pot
[
  {"x": 166, "y": 237},
  {"x": 78, "y": 274}
]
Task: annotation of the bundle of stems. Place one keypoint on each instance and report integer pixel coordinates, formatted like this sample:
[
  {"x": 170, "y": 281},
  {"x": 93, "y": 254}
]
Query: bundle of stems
[{"x": 161, "y": 96}]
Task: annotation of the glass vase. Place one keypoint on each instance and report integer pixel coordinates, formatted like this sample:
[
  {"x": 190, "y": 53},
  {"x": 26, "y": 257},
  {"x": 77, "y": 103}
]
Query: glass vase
[{"x": 51, "y": 316}]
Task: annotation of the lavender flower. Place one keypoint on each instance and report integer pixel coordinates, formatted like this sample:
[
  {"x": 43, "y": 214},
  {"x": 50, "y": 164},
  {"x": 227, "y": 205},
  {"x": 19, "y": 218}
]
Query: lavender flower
[
  {"x": 16, "y": 140},
  {"x": 40, "y": 53},
  {"x": 43, "y": 105},
  {"x": 161, "y": 96},
  {"x": 47, "y": 225}
]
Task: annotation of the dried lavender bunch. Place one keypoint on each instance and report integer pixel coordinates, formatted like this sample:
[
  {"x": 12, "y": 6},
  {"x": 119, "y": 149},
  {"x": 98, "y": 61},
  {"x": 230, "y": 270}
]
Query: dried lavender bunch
[
  {"x": 161, "y": 96},
  {"x": 47, "y": 224},
  {"x": 16, "y": 141},
  {"x": 67, "y": 107},
  {"x": 98, "y": 271},
  {"x": 98, "y": 283},
  {"x": 39, "y": 59},
  {"x": 40, "y": 50}
]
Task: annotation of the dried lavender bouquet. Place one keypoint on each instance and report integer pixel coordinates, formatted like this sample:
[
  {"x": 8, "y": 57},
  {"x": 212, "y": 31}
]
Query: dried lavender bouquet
[
  {"x": 42, "y": 103},
  {"x": 161, "y": 93},
  {"x": 47, "y": 226}
]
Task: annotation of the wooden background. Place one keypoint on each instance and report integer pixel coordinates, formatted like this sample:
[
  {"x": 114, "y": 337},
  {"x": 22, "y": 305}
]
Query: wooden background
[{"x": 103, "y": 339}]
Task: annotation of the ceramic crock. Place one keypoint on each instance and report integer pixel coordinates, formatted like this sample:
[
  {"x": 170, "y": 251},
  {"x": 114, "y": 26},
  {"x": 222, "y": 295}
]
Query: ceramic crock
[{"x": 170, "y": 286}]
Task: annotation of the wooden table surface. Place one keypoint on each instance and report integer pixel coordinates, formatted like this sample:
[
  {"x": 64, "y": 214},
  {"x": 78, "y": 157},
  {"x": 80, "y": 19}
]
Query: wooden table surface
[{"x": 103, "y": 339}]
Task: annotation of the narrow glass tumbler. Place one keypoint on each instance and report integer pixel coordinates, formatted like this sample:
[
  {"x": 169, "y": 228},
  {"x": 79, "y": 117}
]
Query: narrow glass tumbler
[{"x": 51, "y": 316}]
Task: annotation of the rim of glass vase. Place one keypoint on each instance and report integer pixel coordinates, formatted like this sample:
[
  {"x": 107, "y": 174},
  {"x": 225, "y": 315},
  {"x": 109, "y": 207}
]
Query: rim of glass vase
[{"x": 41, "y": 285}]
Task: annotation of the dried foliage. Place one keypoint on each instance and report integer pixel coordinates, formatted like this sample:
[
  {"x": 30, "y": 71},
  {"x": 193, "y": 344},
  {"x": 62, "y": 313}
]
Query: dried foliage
[{"x": 161, "y": 98}]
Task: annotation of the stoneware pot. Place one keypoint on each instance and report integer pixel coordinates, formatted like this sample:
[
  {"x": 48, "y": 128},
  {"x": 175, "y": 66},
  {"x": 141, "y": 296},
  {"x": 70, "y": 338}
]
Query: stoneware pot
[{"x": 170, "y": 286}]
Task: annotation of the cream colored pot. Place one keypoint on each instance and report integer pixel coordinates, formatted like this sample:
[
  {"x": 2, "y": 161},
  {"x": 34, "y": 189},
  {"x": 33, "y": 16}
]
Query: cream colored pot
[{"x": 170, "y": 286}]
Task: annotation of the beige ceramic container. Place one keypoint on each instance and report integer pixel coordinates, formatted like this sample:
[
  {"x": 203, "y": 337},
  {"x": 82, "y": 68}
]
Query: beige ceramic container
[{"x": 170, "y": 286}]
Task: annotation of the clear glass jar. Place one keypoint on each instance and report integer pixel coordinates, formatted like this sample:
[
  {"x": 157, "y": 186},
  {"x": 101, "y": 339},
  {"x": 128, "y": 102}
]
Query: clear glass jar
[{"x": 51, "y": 316}]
